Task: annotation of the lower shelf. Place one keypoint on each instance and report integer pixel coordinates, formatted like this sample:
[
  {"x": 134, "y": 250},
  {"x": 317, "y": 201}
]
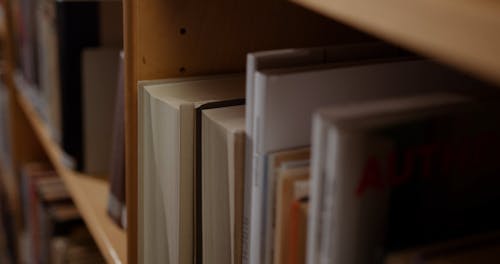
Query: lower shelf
[{"x": 90, "y": 194}]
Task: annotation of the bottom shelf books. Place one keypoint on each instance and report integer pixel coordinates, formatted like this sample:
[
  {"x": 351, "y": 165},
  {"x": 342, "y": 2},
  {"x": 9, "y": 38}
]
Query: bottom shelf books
[{"x": 54, "y": 230}]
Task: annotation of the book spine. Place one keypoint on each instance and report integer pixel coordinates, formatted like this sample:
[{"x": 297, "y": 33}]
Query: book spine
[
  {"x": 247, "y": 192},
  {"x": 258, "y": 171},
  {"x": 317, "y": 161},
  {"x": 116, "y": 203}
]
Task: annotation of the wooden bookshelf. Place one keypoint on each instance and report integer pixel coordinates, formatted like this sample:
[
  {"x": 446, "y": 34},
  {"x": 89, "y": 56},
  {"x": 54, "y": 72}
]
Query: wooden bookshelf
[
  {"x": 460, "y": 33},
  {"x": 89, "y": 193},
  {"x": 173, "y": 38}
]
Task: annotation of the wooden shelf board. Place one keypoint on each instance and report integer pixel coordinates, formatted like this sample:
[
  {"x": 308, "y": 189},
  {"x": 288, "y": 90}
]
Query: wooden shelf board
[
  {"x": 461, "y": 33},
  {"x": 90, "y": 194}
]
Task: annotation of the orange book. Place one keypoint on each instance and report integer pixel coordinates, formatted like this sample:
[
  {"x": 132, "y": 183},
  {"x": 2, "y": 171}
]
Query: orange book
[
  {"x": 288, "y": 191},
  {"x": 298, "y": 232}
]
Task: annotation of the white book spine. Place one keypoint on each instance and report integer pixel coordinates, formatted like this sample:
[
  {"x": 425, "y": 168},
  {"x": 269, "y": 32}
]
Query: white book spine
[
  {"x": 247, "y": 200},
  {"x": 256, "y": 221},
  {"x": 317, "y": 161}
]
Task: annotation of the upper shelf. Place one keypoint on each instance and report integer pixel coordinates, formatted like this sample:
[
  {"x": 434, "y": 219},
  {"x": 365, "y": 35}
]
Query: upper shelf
[
  {"x": 462, "y": 33},
  {"x": 90, "y": 194}
]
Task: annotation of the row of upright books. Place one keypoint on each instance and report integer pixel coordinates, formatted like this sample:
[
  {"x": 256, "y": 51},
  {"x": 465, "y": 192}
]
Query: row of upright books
[
  {"x": 70, "y": 67},
  {"x": 343, "y": 154},
  {"x": 54, "y": 230}
]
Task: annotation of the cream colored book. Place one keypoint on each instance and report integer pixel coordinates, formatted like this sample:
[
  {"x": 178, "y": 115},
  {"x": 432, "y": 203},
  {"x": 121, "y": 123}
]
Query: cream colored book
[
  {"x": 222, "y": 163},
  {"x": 167, "y": 122}
]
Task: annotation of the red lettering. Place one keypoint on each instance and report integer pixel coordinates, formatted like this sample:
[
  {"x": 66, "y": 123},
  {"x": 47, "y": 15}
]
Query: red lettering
[
  {"x": 396, "y": 179},
  {"x": 371, "y": 177}
]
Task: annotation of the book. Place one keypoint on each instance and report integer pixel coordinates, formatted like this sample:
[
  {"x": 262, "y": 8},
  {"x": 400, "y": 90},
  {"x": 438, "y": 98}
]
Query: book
[
  {"x": 144, "y": 118},
  {"x": 286, "y": 214},
  {"x": 80, "y": 25},
  {"x": 402, "y": 172},
  {"x": 52, "y": 189},
  {"x": 99, "y": 82},
  {"x": 167, "y": 162},
  {"x": 298, "y": 231},
  {"x": 117, "y": 200},
  {"x": 9, "y": 179},
  {"x": 222, "y": 168},
  {"x": 48, "y": 65},
  {"x": 30, "y": 174},
  {"x": 57, "y": 214},
  {"x": 27, "y": 38}
]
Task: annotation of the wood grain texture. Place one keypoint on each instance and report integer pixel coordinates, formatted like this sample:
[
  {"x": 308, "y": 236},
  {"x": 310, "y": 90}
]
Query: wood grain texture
[
  {"x": 172, "y": 38},
  {"x": 90, "y": 194},
  {"x": 460, "y": 33}
]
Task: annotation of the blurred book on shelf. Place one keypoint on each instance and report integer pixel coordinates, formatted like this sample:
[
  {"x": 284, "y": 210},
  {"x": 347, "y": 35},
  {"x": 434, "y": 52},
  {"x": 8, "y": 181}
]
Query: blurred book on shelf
[
  {"x": 5, "y": 119},
  {"x": 117, "y": 208},
  {"x": 55, "y": 232},
  {"x": 99, "y": 92}
]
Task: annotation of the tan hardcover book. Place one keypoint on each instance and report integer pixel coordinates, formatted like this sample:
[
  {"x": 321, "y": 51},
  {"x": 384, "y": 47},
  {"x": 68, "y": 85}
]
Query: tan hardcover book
[
  {"x": 222, "y": 162},
  {"x": 167, "y": 185}
]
